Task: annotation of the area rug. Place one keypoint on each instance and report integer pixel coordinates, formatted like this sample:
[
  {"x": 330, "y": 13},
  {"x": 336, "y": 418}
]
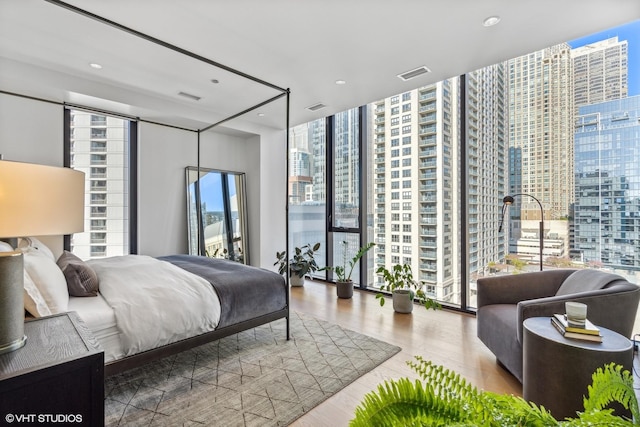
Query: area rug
[{"x": 253, "y": 378}]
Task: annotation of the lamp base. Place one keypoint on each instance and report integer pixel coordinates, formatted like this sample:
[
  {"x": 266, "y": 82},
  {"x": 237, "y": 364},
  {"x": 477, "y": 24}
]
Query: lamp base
[
  {"x": 12, "y": 335},
  {"x": 13, "y": 345}
]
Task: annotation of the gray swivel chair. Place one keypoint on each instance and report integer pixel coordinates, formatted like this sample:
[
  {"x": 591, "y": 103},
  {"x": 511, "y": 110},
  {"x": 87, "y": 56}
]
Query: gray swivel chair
[{"x": 504, "y": 302}]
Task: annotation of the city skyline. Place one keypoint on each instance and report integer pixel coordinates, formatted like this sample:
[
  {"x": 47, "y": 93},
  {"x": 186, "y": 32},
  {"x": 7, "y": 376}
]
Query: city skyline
[{"x": 400, "y": 153}]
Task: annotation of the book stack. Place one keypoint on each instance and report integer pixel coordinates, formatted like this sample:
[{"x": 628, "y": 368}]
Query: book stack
[{"x": 588, "y": 332}]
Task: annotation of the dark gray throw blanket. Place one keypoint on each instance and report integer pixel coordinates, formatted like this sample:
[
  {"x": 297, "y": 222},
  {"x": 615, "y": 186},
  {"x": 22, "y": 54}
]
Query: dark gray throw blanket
[{"x": 245, "y": 292}]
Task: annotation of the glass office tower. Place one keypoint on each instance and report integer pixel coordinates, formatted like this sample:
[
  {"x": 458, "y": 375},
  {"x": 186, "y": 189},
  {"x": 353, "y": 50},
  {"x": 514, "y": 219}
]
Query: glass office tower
[{"x": 607, "y": 176}]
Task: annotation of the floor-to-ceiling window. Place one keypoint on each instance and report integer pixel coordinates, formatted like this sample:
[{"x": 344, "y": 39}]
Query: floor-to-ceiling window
[
  {"x": 100, "y": 146},
  {"x": 308, "y": 188},
  {"x": 441, "y": 158}
]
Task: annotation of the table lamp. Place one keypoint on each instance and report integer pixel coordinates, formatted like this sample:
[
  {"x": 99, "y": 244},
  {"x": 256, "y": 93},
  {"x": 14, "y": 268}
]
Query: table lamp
[{"x": 35, "y": 200}]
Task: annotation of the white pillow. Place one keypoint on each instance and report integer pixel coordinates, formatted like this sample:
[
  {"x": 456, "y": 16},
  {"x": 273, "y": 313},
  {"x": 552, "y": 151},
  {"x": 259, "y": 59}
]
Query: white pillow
[
  {"x": 49, "y": 280},
  {"x": 5, "y": 247},
  {"x": 33, "y": 245},
  {"x": 34, "y": 302}
]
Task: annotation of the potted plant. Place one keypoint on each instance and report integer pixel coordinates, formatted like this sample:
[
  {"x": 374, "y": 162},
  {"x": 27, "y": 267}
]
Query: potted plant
[
  {"x": 300, "y": 264},
  {"x": 344, "y": 284},
  {"x": 404, "y": 289},
  {"x": 444, "y": 398}
]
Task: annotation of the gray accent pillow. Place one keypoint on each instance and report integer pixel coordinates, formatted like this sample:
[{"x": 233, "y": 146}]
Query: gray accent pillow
[
  {"x": 82, "y": 280},
  {"x": 586, "y": 280}
]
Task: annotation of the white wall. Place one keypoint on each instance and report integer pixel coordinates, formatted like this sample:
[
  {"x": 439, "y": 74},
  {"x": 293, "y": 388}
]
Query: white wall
[
  {"x": 163, "y": 153},
  {"x": 273, "y": 199},
  {"x": 32, "y": 131}
]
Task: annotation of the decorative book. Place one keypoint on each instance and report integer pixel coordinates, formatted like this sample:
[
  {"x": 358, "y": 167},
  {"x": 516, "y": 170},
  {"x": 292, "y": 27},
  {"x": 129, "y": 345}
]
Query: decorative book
[
  {"x": 575, "y": 335},
  {"x": 588, "y": 328}
]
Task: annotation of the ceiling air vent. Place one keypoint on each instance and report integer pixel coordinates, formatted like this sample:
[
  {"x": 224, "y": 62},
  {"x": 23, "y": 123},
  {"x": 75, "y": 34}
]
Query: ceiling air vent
[
  {"x": 316, "y": 107},
  {"x": 408, "y": 75},
  {"x": 188, "y": 95}
]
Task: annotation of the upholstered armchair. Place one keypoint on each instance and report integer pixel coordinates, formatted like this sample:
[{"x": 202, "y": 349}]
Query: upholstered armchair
[{"x": 504, "y": 302}]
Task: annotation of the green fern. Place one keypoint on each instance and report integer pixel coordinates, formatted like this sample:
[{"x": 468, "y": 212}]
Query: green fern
[
  {"x": 443, "y": 398},
  {"x": 610, "y": 384}
]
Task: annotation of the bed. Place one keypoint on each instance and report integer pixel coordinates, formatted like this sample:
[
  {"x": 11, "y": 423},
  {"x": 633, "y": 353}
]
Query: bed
[{"x": 141, "y": 308}]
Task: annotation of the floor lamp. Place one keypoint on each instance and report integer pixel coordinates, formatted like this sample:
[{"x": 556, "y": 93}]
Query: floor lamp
[
  {"x": 35, "y": 200},
  {"x": 508, "y": 200}
]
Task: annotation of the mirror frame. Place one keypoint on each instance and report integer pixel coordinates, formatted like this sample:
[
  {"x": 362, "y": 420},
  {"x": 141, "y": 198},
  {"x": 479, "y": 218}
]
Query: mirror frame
[{"x": 196, "y": 242}]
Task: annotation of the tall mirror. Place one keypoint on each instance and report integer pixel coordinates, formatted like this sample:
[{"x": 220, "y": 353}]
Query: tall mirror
[{"x": 220, "y": 230}]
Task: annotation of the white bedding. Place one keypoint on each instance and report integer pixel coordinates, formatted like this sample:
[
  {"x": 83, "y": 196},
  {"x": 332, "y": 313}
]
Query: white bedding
[
  {"x": 154, "y": 302},
  {"x": 101, "y": 321}
]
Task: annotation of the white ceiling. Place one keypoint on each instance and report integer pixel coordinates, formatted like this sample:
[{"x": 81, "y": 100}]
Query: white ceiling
[{"x": 303, "y": 45}]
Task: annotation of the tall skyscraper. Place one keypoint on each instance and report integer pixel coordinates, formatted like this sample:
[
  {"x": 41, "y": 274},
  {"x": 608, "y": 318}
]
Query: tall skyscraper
[
  {"x": 607, "y": 209},
  {"x": 487, "y": 164},
  {"x": 541, "y": 132},
  {"x": 99, "y": 148},
  {"x": 416, "y": 153},
  {"x": 600, "y": 71}
]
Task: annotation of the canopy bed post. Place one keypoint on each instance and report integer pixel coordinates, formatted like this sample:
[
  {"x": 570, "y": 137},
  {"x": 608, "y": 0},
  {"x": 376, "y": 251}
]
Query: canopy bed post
[{"x": 286, "y": 202}]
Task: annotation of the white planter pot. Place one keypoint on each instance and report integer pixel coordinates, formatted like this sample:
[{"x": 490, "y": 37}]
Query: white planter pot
[
  {"x": 295, "y": 280},
  {"x": 402, "y": 302}
]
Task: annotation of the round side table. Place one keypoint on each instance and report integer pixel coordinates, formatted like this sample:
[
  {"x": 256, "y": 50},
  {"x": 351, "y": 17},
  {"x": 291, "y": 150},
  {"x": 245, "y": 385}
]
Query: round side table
[{"x": 557, "y": 370}]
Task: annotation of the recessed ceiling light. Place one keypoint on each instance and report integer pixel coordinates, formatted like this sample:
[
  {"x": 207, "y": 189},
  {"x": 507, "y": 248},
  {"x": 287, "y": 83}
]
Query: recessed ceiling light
[
  {"x": 215, "y": 81},
  {"x": 341, "y": 82},
  {"x": 260, "y": 114},
  {"x": 95, "y": 65},
  {"x": 491, "y": 21}
]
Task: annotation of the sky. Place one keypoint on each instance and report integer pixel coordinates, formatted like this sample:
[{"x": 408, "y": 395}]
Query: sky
[{"x": 629, "y": 32}]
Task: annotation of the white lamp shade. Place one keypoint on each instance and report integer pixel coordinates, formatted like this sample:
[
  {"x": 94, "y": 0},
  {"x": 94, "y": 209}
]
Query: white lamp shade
[{"x": 39, "y": 200}]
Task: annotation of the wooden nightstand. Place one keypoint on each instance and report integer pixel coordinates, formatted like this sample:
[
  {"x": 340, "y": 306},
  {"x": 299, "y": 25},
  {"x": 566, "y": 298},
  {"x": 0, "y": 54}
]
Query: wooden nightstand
[{"x": 56, "y": 378}]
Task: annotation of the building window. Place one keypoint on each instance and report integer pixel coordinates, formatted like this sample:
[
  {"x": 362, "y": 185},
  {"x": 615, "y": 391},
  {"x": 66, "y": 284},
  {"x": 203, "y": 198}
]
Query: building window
[
  {"x": 406, "y": 97},
  {"x": 406, "y": 129},
  {"x": 99, "y": 145}
]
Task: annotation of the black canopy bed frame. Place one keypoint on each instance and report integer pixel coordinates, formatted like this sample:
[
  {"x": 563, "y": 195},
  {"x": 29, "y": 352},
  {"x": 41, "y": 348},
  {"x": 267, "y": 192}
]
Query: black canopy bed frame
[{"x": 230, "y": 328}]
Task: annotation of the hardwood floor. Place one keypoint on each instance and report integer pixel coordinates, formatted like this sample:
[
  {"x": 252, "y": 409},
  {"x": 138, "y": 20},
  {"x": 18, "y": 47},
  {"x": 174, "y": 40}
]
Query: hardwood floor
[{"x": 445, "y": 337}]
